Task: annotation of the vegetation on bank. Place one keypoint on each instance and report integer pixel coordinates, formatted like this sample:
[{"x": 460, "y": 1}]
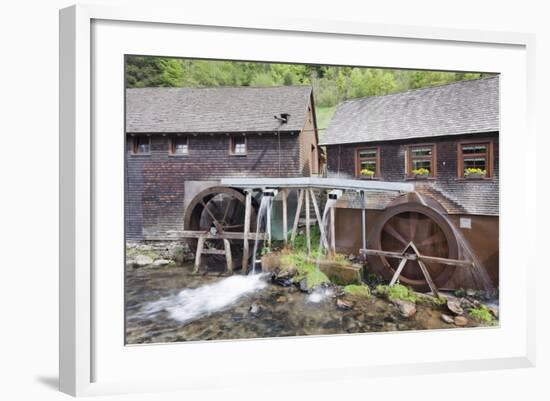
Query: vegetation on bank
[{"x": 482, "y": 314}]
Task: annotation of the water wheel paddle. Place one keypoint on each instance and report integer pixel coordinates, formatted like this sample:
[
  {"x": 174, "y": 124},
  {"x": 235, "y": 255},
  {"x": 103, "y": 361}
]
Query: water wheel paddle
[
  {"x": 427, "y": 229},
  {"x": 219, "y": 210}
]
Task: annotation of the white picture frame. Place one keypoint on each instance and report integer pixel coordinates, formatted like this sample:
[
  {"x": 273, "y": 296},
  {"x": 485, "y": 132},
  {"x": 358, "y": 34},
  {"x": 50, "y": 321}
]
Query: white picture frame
[{"x": 89, "y": 167}]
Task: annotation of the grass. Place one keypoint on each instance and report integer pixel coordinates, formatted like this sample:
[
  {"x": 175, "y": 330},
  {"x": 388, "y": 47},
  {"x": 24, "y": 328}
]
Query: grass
[
  {"x": 357, "y": 290},
  {"x": 298, "y": 262},
  {"x": 397, "y": 291},
  {"x": 134, "y": 252},
  {"x": 481, "y": 314},
  {"x": 324, "y": 115}
]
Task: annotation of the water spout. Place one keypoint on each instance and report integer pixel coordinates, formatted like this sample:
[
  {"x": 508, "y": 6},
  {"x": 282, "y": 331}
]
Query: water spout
[{"x": 264, "y": 216}]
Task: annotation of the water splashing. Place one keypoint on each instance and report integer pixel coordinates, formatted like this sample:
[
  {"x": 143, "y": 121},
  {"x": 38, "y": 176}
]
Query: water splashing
[
  {"x": 264, "y": 215},
  {"x": 320, "y": 294},
  {"x": 191, "y": 304}
]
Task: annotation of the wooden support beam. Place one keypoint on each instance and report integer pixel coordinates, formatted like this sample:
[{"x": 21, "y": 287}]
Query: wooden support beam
[
  {"x": 398, "y": 271},
  {"x": 200, "y": 246},
  {"x": 246, "y": 233},
  {"x": 319, "y": 218},
  {"x": 332, "y": 231},
  {"x": 213, "y": 251},
  {"x": 228, "y": 257},
  {"x": 428, "y": 278},
  {"x": 308, "y": 225},
  {"x": 285, "y": 215},
  {"x": 225, "y": 234},
  {"x": 433, "y": 259},
  {"x": 297, "y": 216},
  {"x": 363, "y": 220}
]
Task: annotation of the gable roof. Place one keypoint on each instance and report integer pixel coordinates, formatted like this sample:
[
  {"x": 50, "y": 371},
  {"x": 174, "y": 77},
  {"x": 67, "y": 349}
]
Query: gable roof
[
  {"x": 218, "y": 109},
  {"x": 463, "y": 107}
]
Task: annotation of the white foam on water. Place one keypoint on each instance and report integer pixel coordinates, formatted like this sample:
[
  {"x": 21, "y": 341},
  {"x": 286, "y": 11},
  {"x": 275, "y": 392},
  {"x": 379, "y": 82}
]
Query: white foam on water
[
  {"x": 320, "y": 294},
  {"x": 191, "y": 304}
]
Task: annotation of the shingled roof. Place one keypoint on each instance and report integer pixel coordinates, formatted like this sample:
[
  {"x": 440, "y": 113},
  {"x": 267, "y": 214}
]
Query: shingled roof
[
  {"x": 463, "y": 107},
  {"x": 219, "y": 109}
]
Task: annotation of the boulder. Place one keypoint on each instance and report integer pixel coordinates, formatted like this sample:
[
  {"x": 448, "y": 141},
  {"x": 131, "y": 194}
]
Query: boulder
[
  {"x": 454, "y": 306},
  {"x": 447, "y": 318},
  {"x": 161, "y": 262},
  {"x": 344, "y": 304},
  {"x": 143, "y": 260},
  {"x": 406, "y": 309},
  {"x": 460, "y": 321},
  {"x": 341, "y": 273}
]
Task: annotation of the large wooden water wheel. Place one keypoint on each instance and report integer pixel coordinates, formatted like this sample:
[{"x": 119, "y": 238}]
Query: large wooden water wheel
[
  {"x": 432, "y": 236},
  {"x": 220, "y": 212}
]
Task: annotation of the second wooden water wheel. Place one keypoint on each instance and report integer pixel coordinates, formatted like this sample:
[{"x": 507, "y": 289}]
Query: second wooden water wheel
[{"x": 426, "y": 228}]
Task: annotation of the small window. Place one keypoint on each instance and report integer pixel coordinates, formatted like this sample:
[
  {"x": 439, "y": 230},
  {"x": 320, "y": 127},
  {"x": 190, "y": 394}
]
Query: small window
[
  {"x": 474, "y": 160},
  {"x": 421, "y": 161},
  {"x": 141, "y": 145},
  {"x": 238, "y": 145},
  {"x": 179, "y": 146},
  {"x": 368, "y": 163}
]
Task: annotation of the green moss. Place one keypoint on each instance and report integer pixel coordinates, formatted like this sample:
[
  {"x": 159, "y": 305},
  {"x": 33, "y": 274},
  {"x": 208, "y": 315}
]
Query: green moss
[
  {"x": 358, "y": 290},
  {"x": 396, "y": 291},
  {"x": 430, "y": 300},
  {"x": 299, "y": 264},
  {"x": 481, "y": 314},
  {"x": 134, "y": 252}
]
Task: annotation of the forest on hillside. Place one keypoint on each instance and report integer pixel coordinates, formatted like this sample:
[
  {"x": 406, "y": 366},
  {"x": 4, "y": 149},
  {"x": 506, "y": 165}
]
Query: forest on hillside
[{"x": 331, "y": 84}]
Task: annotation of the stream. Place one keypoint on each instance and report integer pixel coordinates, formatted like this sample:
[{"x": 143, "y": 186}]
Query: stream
[{"x": 169, "y": 304}]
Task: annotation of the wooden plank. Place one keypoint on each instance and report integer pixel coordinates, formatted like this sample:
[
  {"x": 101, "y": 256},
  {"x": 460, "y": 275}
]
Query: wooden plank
[
  {"x": 297, "y": 216},
  {"x": 398, "y": 271},
  {"x": 225, "y": 234},
  {"x": 319, "y": 218},
  {"x": 285, "y": 215},
  {"x": 200, "y": 245},
  {"x": 332, "y": 230},
  {"x": 428, "y": 278},
  {"x": 308, "y": 224},
  {"x": 228, "y": 257},
  {"x": 246, "y": 233},
  {"x": 213, "y": 251},
  {"x": 433, "y": 259}
]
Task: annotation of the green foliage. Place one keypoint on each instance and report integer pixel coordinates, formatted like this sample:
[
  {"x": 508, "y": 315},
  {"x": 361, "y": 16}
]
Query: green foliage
[
  {"x": 481, "y": 313},
  {"x": 396, "y": 291},
  {"x": 299, "y": 263},
  {"x": 134, "y": 252},
  {"x": 430, "y": 300},
  {"x": 331, "y": 84},
  {"x": 357, "y": 290},
  {"x": 421, "y": 171},
  {"x": 300, "y": 243}
]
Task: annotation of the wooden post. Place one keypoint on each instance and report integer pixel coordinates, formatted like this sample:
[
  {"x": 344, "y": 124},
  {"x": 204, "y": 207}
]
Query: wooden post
[
  {"x": 200, "y": 246},
  {"x": 247, "y": 212},
  {"x": 319, "y": 218},
  {"x": 398, "y": 271},
  {"x": 428, "y": 277},
  {"x": 285, "y": 217},
  {"x": 308, "y": 228},
  {"x": 332, "y": 231},
  {"x": 228, "y": 258},
  {"x": 297, "y": 216}
]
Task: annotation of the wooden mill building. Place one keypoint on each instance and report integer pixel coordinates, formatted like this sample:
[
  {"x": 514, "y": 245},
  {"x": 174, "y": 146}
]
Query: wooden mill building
[
  {"x": 182, "y": 139},
  {"x": 444, "y": 130}
]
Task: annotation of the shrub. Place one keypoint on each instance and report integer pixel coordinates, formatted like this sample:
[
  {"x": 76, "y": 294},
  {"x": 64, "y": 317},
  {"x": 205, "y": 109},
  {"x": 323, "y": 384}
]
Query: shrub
[
  {"x": 357, "y": 290},
  {"x": 481, "y": 314},
  {"x": 396, "y": 291}
]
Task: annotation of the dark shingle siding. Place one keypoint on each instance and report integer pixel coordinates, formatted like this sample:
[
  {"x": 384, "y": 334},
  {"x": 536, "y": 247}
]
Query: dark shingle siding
[
  {"x": 463, "y": 107},
  {"x": 220, "y": 109},
  {"x": 458, "y": 196}
]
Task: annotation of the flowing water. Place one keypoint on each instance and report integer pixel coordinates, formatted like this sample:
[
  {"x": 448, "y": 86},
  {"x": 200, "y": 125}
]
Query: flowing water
[
  {"x": 478, "y": 272},
  {"x": 215, "y": 308},
  {"x": 264, "y": 216}
]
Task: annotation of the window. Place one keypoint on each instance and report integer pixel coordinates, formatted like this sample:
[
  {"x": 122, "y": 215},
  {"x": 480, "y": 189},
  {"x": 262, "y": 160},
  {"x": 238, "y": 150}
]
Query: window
[
  {"x": 367, "y": 162},
  {"x": 474, "y": 159},
  {"x": 238, "y": 145},
  {"x": 141, "y": 145},
  {"x": 421, "y": 160},
  {"x": 179, "y": 146}
]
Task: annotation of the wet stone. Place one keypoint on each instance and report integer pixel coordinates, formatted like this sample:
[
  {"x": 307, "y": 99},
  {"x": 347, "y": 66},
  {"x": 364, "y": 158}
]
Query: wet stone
[
  {"x": 460, "y": 321},
  {"x": 454, "y": 306},
  {"x": 447, "y": 319},
  {"x": 344, "y": 304}
]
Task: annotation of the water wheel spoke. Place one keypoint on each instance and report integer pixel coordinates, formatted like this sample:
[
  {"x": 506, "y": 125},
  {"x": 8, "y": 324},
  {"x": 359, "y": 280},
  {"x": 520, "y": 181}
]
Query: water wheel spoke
[
  {"x": 229, "y": 209},
  {"x": 211, "y": 214},
  {"x": 435, "y": 239},
  {"x": 413, "y": 223},
  {"x": 395, "y": 234}
]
